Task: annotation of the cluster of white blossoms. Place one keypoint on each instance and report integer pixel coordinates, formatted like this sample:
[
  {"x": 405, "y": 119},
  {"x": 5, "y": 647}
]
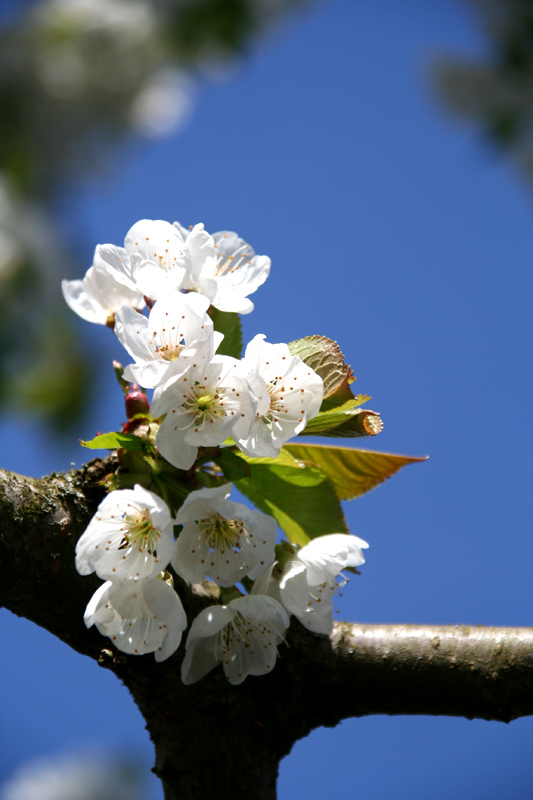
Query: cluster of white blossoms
[
  {"x": 156, "y": 293},
  {"x": 158, "y": 259},
  {"x": 261, "y": 401},
  {"x": 130, "y": 542}
]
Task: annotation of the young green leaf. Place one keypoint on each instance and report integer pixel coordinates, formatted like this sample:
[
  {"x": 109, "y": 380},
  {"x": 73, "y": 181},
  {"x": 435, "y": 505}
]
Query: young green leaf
[
  {"x": 352, "y": 472},
  {"x": 115, "y": 439},
  {"x": 233, "y": 467},
  {"x": 298, "y": 496},
  {"x": 325, "y": 357},
  {"x": 229, "y": 324}
]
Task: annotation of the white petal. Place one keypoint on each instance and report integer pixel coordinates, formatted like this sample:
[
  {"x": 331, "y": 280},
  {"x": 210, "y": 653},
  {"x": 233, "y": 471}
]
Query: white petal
[
  {"x": 131, "y": 329},
  {"x": 155, "y": 282},
  {"x": 170, "y": 441},
  {"x": 198, "y": 502},
  {"x": 190, "y": 561},
  {"x": 310, "y": 604},
  {"x": 157, "y": 241},
  {"x": 116, "y": 261},
  {"x": 202, "y": 253},
  {"x": 95, "y": 603},
  {"x": 326, "y": 556}
]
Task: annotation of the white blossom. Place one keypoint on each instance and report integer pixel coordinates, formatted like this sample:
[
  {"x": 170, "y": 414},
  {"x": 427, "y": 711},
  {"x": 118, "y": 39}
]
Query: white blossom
[
  {"x": 104, "y": 289},
  {"x": 222, "y": 539},
  {"x": 310, "y": 580},
  {"x": 223, "y": 267},
  {"x": 203, "y": 407},
  {"x": 140, "y": 617},
  {"x": 129, "y": 538},
  {"x": 242, "y": 636},
  {"x": 158, "y": 258},
  {"x": 177, "y": 334},
  {"x": 288, "y": 394}
]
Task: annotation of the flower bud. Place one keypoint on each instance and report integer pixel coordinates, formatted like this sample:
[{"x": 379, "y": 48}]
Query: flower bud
[{"x": 136, "y": 403}]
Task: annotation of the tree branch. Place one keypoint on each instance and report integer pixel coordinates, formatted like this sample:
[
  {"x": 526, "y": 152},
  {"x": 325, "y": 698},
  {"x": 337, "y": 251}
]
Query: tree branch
[
  {"x": 473, "y": 672},
  {"x": 359, "y": 670}
]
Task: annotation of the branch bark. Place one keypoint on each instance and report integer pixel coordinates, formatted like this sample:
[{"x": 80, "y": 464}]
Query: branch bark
[{"x": 211, "y": 734}]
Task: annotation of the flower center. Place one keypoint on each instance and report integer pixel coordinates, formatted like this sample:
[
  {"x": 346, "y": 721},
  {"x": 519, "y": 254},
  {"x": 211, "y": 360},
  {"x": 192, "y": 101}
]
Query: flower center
[
  {"x": 277, "y": 404},
  {"x": 230, "y": 264},
  {"x": 169, "y": 351},
  {"x": 140, "y": 532},
  {"x": 239, "y": 631},
  {"x": 168, "y": 342},
  {"x": 205, "y": 405},
  {"x": 221, "y": 532}
]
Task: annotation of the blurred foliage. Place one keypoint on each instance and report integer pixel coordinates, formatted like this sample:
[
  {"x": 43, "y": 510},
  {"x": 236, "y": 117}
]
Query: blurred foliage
[
  {"x": 77, "y": 776},
  {"x": 76, "y": 76},
  {"x": 496, "y": 90}
]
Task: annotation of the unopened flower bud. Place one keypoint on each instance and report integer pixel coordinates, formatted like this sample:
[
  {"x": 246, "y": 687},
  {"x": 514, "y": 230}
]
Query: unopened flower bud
[{"x": 136, "y": 403}]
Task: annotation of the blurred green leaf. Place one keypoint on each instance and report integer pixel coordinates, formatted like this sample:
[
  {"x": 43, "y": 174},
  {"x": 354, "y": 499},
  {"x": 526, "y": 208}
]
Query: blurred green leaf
[
  {"x": 47, "y": 373},
  {"x": 224, "y": 24}
]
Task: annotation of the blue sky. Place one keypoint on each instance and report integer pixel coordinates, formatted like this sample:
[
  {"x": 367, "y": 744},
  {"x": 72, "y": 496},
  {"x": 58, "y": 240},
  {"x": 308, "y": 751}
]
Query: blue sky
[{"x": 398, "y": 232}]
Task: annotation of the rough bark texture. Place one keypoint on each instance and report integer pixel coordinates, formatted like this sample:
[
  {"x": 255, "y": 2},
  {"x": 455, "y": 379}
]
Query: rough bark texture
[{"x": 212, "y": 735}]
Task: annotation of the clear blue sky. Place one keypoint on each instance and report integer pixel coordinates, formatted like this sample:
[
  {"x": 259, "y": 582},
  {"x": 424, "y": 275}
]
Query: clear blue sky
[{"x": 395, "y": 231}]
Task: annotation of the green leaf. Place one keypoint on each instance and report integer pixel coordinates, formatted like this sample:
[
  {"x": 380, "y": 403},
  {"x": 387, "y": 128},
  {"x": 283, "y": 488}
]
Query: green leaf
[
  {"x": 343, "y": 399},
  {"x": 298, "y": 496},
  {"x": 325, "y": 357},
  {"x": 229, "y": 324},
  {"x": 352, "y": 472},
  {"x": 115, "y": 439},
  {"x": 233, "y": 467}
]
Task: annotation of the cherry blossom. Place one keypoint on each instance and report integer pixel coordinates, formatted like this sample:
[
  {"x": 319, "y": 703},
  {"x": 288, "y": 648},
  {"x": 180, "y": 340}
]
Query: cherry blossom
[
  {"x": 310, "y": 580},
  {"x": 243, "y": 636},
  {"x": 158, "y": 258},
  {"x": 222, "y": 539},
  {"x": 104, "y": 289},
  {"x": 177, "y": 334},
  {"x": 203, "y": 407},
  {"x": 143, "y": 617},
  {"x": 223, "y": 267},
  {"x": 288, "y": 394},
  {"x": 129, "y": 538}
]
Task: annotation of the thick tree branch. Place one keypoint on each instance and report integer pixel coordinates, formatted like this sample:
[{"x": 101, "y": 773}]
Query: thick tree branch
[
  {"x": 425, "y": 669},
  {"x": 359, "y": 670}
]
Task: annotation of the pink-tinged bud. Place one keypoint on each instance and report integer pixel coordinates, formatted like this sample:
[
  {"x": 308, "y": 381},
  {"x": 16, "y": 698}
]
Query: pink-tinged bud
[{"x": 136, "y": 403}]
